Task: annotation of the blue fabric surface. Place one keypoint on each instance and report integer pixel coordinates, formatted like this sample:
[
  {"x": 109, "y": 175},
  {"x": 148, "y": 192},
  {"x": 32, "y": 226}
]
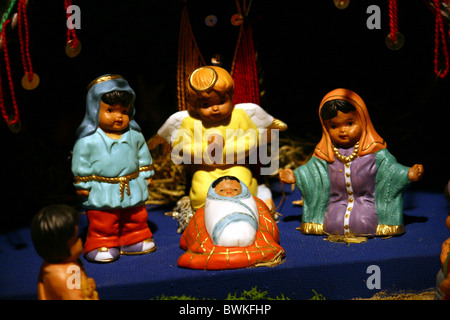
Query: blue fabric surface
[{"x": 335, "y": 270}]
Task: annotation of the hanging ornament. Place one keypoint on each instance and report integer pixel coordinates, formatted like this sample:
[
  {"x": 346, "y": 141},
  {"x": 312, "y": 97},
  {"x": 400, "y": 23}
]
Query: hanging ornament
[
  {"x": 28, "y": 84},
  {"x": 237, "y": 19},
  {"x": 216, "y": 60},
  {"x": 73, "y": 45},
  {"x": 14, "y": 126},
  {"x": 30, "y": 80},
  {"x": 341, "y": 4},
  {"x": 13, "y": 121},
  {"x": 73, "y": 48},
  {"x": 394, "y": 40},
  {"x": 211, "y": 20}
]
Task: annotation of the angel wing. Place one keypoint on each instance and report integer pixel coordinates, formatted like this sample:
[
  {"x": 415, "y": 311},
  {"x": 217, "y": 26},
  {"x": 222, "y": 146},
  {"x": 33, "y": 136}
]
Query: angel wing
[{"x": 169, "y": 130}]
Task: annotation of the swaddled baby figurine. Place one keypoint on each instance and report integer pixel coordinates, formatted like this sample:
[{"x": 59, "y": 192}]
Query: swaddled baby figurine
[
  {"x": 233, "y": 230},
  {"x": 231, "y": 215}
]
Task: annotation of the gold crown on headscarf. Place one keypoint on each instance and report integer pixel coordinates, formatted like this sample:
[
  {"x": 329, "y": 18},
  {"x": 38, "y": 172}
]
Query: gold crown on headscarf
[
  {"x": 209, "y": 85},
  {"x": 103, "y": 79}
]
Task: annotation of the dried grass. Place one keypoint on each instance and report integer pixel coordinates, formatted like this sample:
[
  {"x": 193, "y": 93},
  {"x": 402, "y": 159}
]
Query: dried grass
[{"x": 383, "y": 295}]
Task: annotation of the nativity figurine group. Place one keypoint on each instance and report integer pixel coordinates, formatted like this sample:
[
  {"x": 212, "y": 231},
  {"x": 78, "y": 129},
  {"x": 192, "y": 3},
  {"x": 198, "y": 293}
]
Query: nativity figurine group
[{"x": 351, "y": 186}]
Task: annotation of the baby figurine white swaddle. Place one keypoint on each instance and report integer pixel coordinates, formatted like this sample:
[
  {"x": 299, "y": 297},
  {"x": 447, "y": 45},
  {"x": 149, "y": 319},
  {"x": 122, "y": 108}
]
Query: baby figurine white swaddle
[{"x": 231, "y": 214}]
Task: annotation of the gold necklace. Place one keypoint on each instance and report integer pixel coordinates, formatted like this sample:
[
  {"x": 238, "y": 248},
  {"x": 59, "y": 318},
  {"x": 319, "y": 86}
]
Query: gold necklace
[{"x": 348, "y": 158}]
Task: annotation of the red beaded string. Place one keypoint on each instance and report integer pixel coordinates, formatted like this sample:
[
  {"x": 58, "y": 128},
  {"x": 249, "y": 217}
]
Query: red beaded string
[
  {"x": 440, "y": 43},
  {"x": 71, "y": 34},
  {"x": 393, "y": 19},
  {"x": 22, "y": 22},
  {"x": 11, "y": 85}
]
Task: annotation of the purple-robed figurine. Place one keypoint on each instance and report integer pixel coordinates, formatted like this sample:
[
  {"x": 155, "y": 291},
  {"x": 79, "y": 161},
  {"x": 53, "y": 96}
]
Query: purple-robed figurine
[{"x": 352, "y": 185}]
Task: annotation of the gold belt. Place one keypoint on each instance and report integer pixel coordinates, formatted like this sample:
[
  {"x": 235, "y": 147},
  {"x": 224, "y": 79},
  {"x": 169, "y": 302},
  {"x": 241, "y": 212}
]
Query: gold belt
[{"x": 123, "y": 180}]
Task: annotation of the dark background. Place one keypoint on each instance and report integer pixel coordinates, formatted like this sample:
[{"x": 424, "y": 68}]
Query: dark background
[{"x": 304, "y": 50}]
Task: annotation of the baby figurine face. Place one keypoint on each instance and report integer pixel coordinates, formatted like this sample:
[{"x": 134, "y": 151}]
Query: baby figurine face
[
  {"x": 228, "y": 188},
  {"x": 345, "y": 129},
  {"x": 114, "y": 118},
  {"x": 215, "y": 108}
]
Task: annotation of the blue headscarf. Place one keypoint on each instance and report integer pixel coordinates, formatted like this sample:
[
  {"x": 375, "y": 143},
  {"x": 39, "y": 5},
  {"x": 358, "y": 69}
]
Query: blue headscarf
[{"x": 97, "y": 88}]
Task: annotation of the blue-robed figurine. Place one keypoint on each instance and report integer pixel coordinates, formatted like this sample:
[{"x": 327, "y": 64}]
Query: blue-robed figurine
[{"x": 113, "y": 168}]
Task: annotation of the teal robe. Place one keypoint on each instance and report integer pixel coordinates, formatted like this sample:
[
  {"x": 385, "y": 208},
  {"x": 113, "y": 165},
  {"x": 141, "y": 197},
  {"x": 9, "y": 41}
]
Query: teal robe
[{"x": 391, "y": 181}]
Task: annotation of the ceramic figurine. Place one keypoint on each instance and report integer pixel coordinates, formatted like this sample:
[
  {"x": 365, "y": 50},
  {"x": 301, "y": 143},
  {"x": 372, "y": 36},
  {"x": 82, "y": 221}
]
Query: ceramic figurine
[
  {"x": 113, "y": 168},
  {"x": 209, "y": 97},
  {"x": 443, "y": 277},
  {"x": 352, "y": 185},
  {"x": 445, "y": 261},
  {"x": 232, "y": 230},
  {"x": 54, "y": 232}
]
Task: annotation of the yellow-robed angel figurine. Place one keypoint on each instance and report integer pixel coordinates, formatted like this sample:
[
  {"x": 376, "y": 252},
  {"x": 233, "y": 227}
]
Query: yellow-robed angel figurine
[{"x": 216, "y": 137}]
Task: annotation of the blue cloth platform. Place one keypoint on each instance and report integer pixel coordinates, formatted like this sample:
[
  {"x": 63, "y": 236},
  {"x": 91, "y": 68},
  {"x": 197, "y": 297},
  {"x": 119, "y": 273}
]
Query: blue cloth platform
[{"x": 335, "y": 270}]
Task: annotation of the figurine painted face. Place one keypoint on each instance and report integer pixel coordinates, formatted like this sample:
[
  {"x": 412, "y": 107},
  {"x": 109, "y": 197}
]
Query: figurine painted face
[
  {"x": 210, "y": 94},
  {"x": 114, "y": 118},
  {"x": 344, "y": 129},
  {"x": 215, "y": 108},
  {"x": 347, "y": 107},
  {"x": 228, "y": 188}
]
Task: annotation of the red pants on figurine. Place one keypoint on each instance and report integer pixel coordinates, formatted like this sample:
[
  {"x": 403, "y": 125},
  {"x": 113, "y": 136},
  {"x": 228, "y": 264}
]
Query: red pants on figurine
[{"x": 116, "y": 227}]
